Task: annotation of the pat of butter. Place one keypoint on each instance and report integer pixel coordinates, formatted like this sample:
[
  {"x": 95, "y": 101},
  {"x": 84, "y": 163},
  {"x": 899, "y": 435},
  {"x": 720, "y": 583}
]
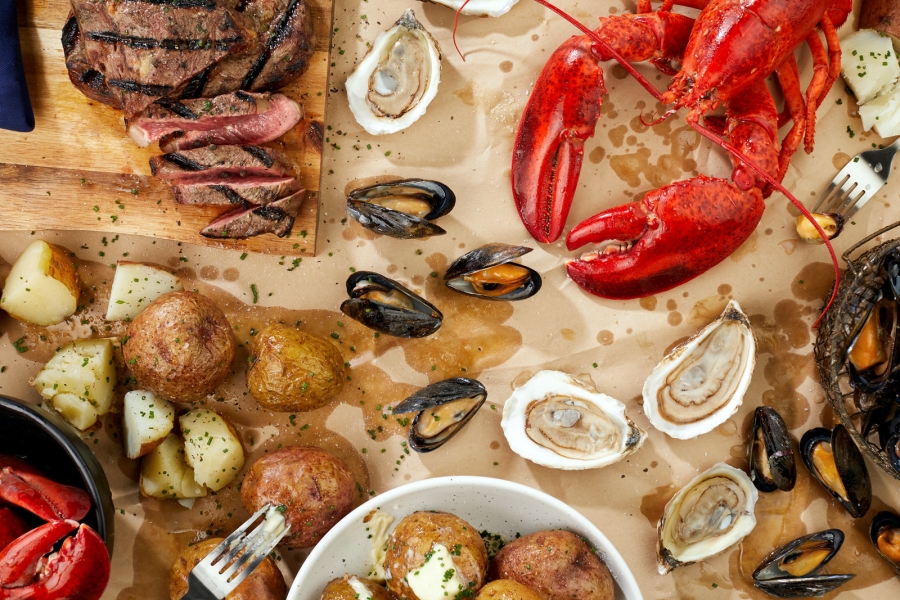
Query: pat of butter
[
  {"x": 436, "y": 578},
  {"x": 377, "y": 526},
  {"x": 362, "y": 592}
]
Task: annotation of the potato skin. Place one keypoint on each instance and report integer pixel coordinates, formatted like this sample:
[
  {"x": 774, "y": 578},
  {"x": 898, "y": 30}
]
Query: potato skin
[
  {"x": 316, "y": 486},
  {"x": 414, "y": 537},
  {"x": 294, "y": 370},
  {"x": 556, "y": 564},
  {"x": 181, "y": 346},
  {"x": 506, "y": 589},
  {"x": 265, "y": 583},
  {"x": 340, "y": 589},
  {"x": 880, "y": 15}
]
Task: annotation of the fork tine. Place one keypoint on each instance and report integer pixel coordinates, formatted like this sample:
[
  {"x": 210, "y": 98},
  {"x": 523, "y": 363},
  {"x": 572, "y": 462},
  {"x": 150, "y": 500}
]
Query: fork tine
[
  {"x": 827, "y": 197},
  {"x": 238, "y": 548},
  {"x": 255, "y": 554},
  {"x": 234, "y": 538}
]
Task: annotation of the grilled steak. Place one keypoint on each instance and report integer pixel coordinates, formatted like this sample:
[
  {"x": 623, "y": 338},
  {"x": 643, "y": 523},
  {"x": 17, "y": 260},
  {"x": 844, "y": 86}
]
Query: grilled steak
[
  {"x": 277, "y": 217},
  {"x": 87, "y": 79},
  {"x": 224, "y": 162},
  {"x": 239, "y": 192}
]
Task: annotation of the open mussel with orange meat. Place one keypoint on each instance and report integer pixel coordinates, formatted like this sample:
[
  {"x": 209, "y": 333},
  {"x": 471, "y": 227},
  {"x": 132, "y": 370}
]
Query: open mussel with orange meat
[
  {"x": 488, "y": 272},
  {"x": 771, "y": 454},
  {"x": 873, "y": 351},
  {"x": 401, "y": 209},
  {"x": 792, "y": 570},
  {"x": 834, "y": 460},
  {"x": 885, "y": 535},
  {"x": 442, "y": 409},
  {"x": 386, "y": 306}
]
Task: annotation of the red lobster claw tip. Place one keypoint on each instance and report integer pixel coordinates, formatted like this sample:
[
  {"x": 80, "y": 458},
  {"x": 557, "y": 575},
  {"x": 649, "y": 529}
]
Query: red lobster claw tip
[
  {"x": 79, "y": 571},
  {"x": 22, "y": 486}
]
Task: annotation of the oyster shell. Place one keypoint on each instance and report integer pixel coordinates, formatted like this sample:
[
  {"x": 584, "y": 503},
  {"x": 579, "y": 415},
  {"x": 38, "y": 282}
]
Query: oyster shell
[
  {"x": 708, "y": 515},
  {"x": 702, "y": 382},
  {"x": 480, "y": 8},
  {"x": 556, "y": 421},
  {"x": 393, "y": 84}
]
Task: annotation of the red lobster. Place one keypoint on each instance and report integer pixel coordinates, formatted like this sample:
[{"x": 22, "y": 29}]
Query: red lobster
[
  {"x": 677, "y": 232},
  {"x": 29, "y": 569}
]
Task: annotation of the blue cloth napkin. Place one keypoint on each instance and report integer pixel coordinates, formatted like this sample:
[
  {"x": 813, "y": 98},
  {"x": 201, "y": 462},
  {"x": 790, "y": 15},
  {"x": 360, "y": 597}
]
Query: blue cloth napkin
[{"x": 15, "y": 104}]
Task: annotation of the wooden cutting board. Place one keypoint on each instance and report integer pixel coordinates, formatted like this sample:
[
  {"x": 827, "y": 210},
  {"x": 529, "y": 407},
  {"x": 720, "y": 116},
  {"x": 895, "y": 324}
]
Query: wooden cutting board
[{"x": 78, "y": 170}]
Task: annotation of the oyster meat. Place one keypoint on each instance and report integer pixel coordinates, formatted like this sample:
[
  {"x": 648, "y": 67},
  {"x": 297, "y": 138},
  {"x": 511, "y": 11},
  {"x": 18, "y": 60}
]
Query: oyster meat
[
  {"x": 557, "y": 421},
  {"x": 393, "y": 84},
  {"x": 710, "y": 514},
  {"x": 702, "y": 382}
]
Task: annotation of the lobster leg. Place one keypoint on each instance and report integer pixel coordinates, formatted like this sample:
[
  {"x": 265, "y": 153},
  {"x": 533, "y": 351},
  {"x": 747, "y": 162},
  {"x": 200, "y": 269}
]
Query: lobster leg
[{"x": 789, "y": 79}]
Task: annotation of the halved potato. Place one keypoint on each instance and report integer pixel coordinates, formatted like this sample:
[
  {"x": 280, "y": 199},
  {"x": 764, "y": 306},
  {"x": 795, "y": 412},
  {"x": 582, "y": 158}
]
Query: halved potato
[
  {"x": 166, "y": 474},
  {"x": 211, "y": 447},
  {"x": 79, "y": 381},
  {"x": 136, "y": 285},
  {"x": 42, "y": 286},
  {"x": 147, "y": 421},
  {"x": 869, "y": 64}
]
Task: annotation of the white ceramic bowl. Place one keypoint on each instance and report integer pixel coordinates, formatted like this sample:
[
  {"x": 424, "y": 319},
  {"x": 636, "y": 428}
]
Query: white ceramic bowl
[{"x": 495, "y": 505}]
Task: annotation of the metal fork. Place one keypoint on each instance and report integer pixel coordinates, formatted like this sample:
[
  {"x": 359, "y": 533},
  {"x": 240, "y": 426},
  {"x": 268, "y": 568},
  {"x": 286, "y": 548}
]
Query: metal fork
[
  {"x": 858, "y": 182},
  {"x": 222, "y": 570}
]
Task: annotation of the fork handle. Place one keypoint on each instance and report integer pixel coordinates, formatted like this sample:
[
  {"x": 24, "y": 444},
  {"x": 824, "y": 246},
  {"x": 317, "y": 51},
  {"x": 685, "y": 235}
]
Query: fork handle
[{"x": 198, "y": 591}]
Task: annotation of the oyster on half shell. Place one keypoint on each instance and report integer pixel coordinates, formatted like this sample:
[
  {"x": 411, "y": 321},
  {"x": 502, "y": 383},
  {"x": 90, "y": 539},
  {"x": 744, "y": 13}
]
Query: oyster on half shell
[
  {"x": 710, "y": 514},
  {"x": 393, "y": 84},
  {"x": 702, "y": 382},
  {"x": 557, "y": 421}
]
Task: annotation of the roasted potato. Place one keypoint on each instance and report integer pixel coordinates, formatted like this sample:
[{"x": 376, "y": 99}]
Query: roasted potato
[
  {"x": 506, "y": 589},
  {"x": 316, "y": 486},
  {"x": 556, "y": 564},
  {"x": 294, "y": 370},
  {"x": 135, "y": 285},
  {"x": 146, "y": 421},
  {"x": 42, "y": 286},
  {"x": 181, "y": 347},
  {"x": 425, "y": 547},
  {"x": 881, "y": 15},
  {"x": 211, "y": 447},
  {"x": 265, "y": 583},
  {"x": 354, "y": 588}
]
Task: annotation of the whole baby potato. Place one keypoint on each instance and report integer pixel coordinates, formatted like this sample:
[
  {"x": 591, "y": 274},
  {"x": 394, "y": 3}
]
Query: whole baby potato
[
  {"x": 506, "y": 589},
  {"x": 556, "y": 564},
  {"x": 880, "y": 15},
  {"x": 316, "y": 486},
  {"x": 414, "y": 543},
  {"x": 294, "y": 370},
  {"x": 181, "y": 347},
  {"x": 265, "y": 583},
  {"x": 342, "y": 588}
]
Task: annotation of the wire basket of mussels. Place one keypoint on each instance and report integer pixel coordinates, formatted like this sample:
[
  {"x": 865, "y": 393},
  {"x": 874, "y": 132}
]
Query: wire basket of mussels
[{"x": 858, "y": 354}]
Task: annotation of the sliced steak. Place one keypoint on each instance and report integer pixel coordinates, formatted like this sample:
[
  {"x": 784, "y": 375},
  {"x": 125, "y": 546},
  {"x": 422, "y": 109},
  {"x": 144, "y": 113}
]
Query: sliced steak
[
  {"x": 277, "y": 217},
  {"x": 279, "y": 117},
  {"x": 239, "y": 192},
  {"x": 83, "y": 76},
  {"x": 149, "y": 49},
  {"x": 224, "y": 162}
]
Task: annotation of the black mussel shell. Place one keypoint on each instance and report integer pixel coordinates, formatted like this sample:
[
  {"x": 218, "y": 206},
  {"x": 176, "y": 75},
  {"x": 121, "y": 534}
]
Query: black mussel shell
[
  {"x": 849, "y": 463},
  {"x": 802, "y": 557},
  {"x": 419, "y": 319},
  {"x": 395, "y": 223},
  {"x": 485, "y": 257},
  {"x": 888, "y": 426},
  {"x": 892, "y": 271},
  {"x": 885, "y": 528},
  {"x": 803, "y": 587},
  {"x": 883, "y": 317},
  {"x": 892, "y": 449},
  {"x": 437, "y": 395},
  {"x": 771, "y": 454}
]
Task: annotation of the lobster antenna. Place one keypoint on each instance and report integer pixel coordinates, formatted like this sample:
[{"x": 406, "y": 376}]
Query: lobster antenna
[{"x": 456, "y": 26}]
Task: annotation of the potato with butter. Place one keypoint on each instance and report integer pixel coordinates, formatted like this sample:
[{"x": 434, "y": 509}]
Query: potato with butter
[
  {"x": 506, "y": 589},
  {"x": 434, "y": 555},
  {"x": 181, "y": 347},
  {"x": 556, "y": 564},
  {"x": 42, "y": 287},
  {"x": 316, "y": 486},
  {"x": 354, "y": 588},
  {"x": 293, "y": 370},
  {"x": 265, "y": 583}
]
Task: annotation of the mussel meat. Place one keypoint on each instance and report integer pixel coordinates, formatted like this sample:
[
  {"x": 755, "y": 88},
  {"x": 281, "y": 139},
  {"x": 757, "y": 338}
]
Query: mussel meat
[
  {"x": 872, "y": 355},
  {"x": 384, "y": 305},
  {"x": 771, "y": 454},
  {"x": 488, "y": 273},
  {"x": 442, "y": 408},
  {"x": 885, "y": 535},
  {"x": 791, "y": 571},
  {"x": 836, "y": 463},
  {"x": 401, "y": 209}
]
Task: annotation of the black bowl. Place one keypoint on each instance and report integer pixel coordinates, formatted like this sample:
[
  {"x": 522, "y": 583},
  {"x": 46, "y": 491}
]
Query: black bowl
[{"x": 48, "y": 443}]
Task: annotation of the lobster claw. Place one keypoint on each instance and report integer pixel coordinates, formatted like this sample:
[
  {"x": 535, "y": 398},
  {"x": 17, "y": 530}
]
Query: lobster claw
[
  {"x": 11, "y": 526},
  {"x": 23, "y": 486},
  {"x": 672, "y": 235},
  {"x": 29, "y": 570}
]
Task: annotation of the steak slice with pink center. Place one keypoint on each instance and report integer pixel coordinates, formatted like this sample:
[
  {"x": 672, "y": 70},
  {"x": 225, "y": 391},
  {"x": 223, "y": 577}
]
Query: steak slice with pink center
[
  {"x": 225, "y": 162},
  {"x": 277, "y": 218},
  {"x": 240, "y": 192}
]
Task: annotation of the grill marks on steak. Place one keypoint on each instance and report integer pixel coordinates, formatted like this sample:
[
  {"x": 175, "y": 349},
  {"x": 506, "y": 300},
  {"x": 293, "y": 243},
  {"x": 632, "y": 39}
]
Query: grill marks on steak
[
  {"x": 277, "y": 217},
  {"x": 88, "y": 80},
  {"x": 241, "y": 192},
  {"x": 225, "y": 162}
]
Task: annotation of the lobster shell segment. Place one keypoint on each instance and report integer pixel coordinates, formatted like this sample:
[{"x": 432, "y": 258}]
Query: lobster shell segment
[{"x": 23, "y": 486}]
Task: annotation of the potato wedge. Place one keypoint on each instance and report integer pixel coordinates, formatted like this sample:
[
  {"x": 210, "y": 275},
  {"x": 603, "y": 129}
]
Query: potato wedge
[
  {"x": 166, "y": 474},
  {"x": 42, "y": 286},
  {"x": 147, "y": 420},
  {"x": 870, "y": 65},
  {"x": 135, "y": 285},
  {"x": 211, "y": 447},
  {"x": 79, "y": 381}
]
